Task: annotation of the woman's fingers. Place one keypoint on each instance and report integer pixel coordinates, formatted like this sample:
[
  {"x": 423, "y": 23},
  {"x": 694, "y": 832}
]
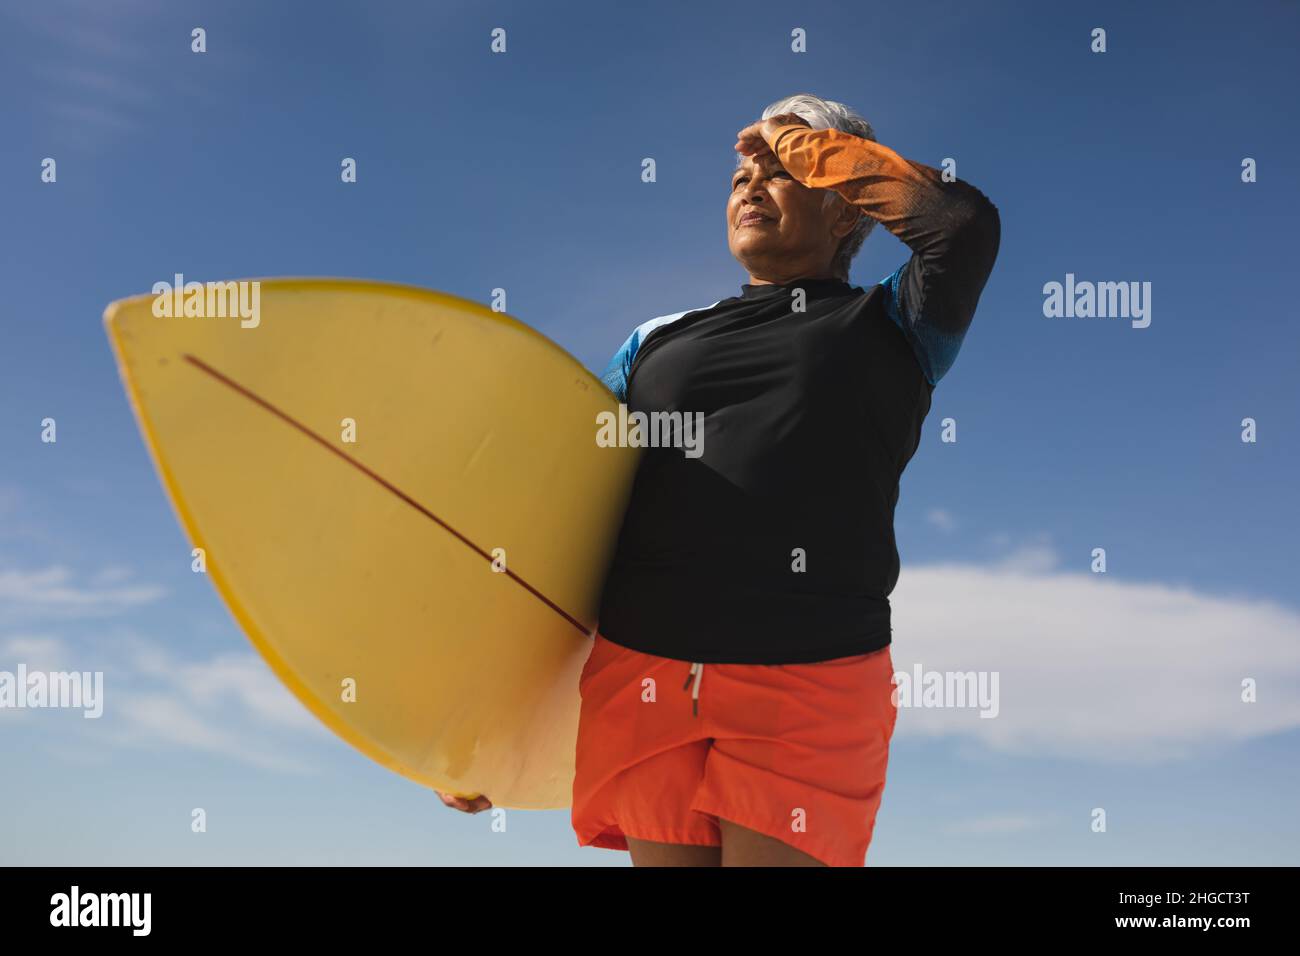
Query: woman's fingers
[
  {"x": 752, "y": 140},
  {"x": 749, "y": 141},
  {"x": 462, "y": 804},
  {"x": 451, "y": 801}
]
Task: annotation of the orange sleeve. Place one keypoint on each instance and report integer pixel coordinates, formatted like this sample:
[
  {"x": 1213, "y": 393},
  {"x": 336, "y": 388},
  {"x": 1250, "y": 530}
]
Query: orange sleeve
[
  {"x": 951, "y": 227},
  {"x": 908, "y": 198}
]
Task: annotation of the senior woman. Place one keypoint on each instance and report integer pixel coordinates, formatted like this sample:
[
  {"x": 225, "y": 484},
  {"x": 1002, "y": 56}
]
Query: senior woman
[{"x": 736, "y": 704}]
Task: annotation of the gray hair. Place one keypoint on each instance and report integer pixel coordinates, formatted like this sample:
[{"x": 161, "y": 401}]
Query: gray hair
[{"x": 827, "y": 114}]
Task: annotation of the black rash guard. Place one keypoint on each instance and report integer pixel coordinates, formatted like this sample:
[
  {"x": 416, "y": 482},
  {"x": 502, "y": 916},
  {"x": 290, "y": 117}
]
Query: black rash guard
[{"x": 776, "y": 545}]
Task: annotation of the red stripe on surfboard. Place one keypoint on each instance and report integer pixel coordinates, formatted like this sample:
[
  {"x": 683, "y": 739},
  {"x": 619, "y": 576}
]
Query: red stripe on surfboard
[{"x": 254, "y": 397}]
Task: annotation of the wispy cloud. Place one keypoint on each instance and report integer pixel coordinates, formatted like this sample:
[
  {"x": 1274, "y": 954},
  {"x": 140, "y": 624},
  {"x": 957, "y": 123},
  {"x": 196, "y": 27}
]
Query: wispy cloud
[
  {"x": 151, "y": 718},
  {"x": 1090, "y": 666},
  {"x": 229, "y": 704},
  {"x": 1093, "y": 666},
  {"x": 98, "y": 81},
  {"x": 113, "y": 574},
  {"x": 18, "y": 529},
  {"x": 153, "y": 696},
  {"x": 36, "y": 651},
  {"x": 103, "y": 115},
  {"x": 941, "y": 519},
  {"x": 82, "y": 84},
  {"x": 235, "y": 680},
  {"x": 1028, "y": 559},
  {"x": 52, "y": 594},
  {"x": 82, "y": 28}
]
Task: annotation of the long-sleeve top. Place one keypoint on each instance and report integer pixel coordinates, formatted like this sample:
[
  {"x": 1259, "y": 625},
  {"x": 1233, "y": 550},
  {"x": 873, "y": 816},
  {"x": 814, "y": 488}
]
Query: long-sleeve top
[{"x": 776, "y": 544}]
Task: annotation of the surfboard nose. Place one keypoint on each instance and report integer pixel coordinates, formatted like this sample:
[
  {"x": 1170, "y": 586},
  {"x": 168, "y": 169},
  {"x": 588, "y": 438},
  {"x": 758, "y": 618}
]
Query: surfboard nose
[{"x": 399, "y": 496}]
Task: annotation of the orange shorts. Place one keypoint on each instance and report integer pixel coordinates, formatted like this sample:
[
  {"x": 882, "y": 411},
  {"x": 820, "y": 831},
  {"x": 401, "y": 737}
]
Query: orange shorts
[{"x": 795, "y": 751}]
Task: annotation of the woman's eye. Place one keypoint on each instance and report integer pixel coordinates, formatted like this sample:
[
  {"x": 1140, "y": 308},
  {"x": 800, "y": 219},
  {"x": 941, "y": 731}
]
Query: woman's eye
[{"x": 745, "y": 179}]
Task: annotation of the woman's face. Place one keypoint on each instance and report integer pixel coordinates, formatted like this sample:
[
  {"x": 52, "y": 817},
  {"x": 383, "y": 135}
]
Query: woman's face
[{"x": 779, "y": 229}]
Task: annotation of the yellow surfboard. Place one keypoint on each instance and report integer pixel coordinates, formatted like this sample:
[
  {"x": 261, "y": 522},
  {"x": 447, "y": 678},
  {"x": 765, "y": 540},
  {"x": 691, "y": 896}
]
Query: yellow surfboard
[{"x": 400, "y": 497}]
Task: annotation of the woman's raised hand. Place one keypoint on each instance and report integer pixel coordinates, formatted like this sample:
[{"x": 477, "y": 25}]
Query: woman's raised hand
[
  {"x": 464, "y": 804},
  {"x": 755, "y": 138}
]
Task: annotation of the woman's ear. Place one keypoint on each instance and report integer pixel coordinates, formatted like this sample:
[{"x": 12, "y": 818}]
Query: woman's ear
[{"x": 847, "y": 221}]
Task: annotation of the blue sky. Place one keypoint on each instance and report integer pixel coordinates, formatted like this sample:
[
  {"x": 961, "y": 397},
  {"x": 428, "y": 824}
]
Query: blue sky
[{"x": 522, "y": 171}]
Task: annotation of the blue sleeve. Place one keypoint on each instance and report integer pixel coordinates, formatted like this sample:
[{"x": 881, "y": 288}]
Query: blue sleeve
[
  {"x": 620, "y": 366},
  {"x": 935, "y": 350},
  {"x": 954, "y": 238}
]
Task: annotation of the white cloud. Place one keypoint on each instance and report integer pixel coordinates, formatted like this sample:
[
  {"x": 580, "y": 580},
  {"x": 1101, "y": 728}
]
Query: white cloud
[
  {"x": 1029, "y": 559},
  {"x": 170, "y": 719},
  {"x": 239, "y": 680},
  {"x": 37, "y": 652},
  {"x": 941, "y": 519},
  {"x": 1094, "y": 666},
  {"x": 52, "y": 594},
  {"x": 113, "y": 574},
  {"x": 1089, "y": 665},
  {"x": 230, "y": 704},
  {"x": 100, "y": 115}
]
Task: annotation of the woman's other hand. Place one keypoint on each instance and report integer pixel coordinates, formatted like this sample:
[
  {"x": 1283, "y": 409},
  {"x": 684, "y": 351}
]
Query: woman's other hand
[
  {"x": 755, "y": 139},
  {"x": 464, "y": 804}
]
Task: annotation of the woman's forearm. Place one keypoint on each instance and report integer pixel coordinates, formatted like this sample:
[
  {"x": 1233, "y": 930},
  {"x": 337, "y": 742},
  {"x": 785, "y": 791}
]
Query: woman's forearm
[{"x": 951, "y": 227}]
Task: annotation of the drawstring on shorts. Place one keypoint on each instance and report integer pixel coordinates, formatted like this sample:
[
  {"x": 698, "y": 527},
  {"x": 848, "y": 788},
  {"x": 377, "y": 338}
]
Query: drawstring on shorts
[{"x": 697, "y": 670}]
